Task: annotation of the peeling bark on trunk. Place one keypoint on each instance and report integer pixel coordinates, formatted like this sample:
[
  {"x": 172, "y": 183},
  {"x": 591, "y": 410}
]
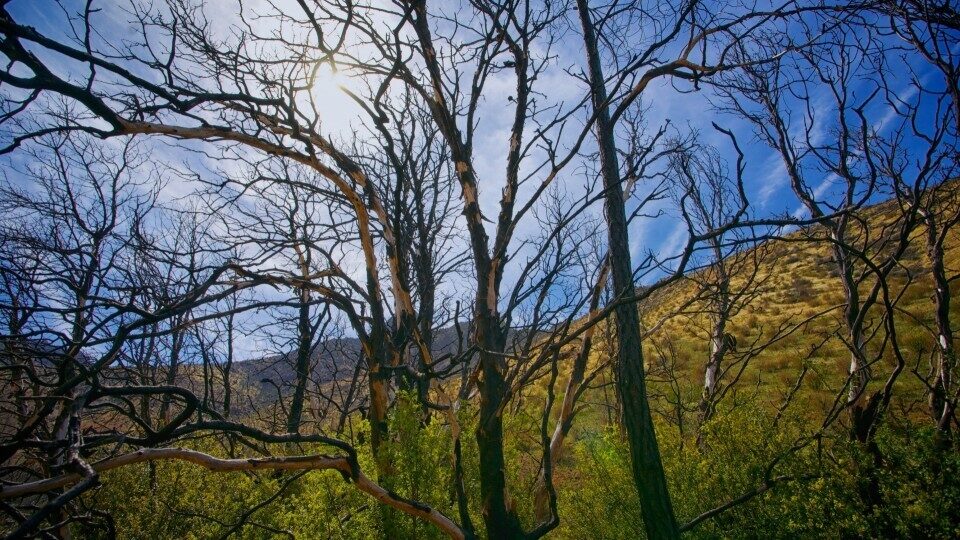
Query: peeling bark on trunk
[
  {"x": 718, "y": 350},
  {"x": 498, "y": 514},
  {"x": 720, "y": 342},
  {"x": 940, "y": 407},
  {"x": 378, "y": 381}
]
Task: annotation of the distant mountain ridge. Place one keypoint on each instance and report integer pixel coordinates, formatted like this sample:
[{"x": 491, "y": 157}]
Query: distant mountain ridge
[{"x": 334, "y": 359}]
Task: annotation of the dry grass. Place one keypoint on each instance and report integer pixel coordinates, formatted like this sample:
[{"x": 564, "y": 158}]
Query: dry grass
[{"x": 799, "y": 281}]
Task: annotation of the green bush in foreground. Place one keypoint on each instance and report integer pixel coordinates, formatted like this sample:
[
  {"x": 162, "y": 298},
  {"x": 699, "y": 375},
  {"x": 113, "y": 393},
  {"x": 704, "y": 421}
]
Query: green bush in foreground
[{"x": 596, "y": 496}]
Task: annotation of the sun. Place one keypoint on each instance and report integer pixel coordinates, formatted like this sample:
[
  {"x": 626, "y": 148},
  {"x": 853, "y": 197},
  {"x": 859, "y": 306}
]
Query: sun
[
  {"x": 331, "y": 92},
  {"x": 329, "y": 77}
]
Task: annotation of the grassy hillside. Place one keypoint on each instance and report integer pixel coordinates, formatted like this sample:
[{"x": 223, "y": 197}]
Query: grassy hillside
[{"x": 799, "y": 292}]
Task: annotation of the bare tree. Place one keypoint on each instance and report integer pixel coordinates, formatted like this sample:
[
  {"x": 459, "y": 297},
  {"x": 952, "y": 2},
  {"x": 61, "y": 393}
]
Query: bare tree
[
  {"x": 357, "y": 225},
  {"x": 411, "y": 167},
  {"x": 233, "y": 94},
  {"x": 930, "y": 30},
  {"x": 693, "y": 45},
  {"x": 940, "y": 215},
  {"x": 728, "y": 278},
  {"x": 838, "y": 159}
]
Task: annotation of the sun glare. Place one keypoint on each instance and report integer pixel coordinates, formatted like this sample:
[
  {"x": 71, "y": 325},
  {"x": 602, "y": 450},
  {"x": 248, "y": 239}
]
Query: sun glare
[
  {"x": 329, "y": 78},
  {"x": 331, "y": 92}
]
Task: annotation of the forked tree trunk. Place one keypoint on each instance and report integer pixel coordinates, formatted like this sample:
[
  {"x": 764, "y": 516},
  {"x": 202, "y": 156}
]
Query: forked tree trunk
[
  {"x": 863, "y": 409},
  {"x": 498, "y": 515},
  {"x": 719, "y": 309},
  {"x": 858, "y": 370}
]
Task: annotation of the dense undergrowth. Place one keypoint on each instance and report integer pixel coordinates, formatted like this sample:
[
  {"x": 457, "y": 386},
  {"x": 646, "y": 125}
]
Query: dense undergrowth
[{"x": 596, "y": 498}]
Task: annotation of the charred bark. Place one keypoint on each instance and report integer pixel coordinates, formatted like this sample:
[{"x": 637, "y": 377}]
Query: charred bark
[{"x": 648, "y": 475}]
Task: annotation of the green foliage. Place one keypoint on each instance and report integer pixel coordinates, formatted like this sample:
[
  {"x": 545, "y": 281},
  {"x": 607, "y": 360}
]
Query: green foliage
[
  {"x": 602, "y": 501},
  {"x": 921, "y": 497},
  {"x": 917, "y": 478},
  {"x": 919, "y": 484},
  {"x": 180, "y": 500},
  {"x": 421, "y": 458}
]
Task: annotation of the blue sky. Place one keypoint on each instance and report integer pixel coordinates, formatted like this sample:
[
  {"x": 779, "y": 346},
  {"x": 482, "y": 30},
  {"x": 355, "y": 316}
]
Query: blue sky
[{"x": 766, "y": 183}]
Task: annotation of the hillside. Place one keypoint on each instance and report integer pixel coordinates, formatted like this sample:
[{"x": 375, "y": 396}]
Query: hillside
[{"x": 798, "y": 293}]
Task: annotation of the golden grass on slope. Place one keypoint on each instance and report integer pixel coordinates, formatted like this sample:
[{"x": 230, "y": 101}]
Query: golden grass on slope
[
  {"x": 799, "y": 303},
  {"x": 798, "y": 281}
]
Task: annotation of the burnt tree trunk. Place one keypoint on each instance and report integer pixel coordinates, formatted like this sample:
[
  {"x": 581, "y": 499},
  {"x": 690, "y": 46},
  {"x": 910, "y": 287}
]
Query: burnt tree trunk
[
  {"x": 648, "y": 475},
  {"x": 720, "y": 341},
  {"x": 304, "y": 345},
  {"x": 941, "y": 408},
  {"x": 541, "y": 504}
]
